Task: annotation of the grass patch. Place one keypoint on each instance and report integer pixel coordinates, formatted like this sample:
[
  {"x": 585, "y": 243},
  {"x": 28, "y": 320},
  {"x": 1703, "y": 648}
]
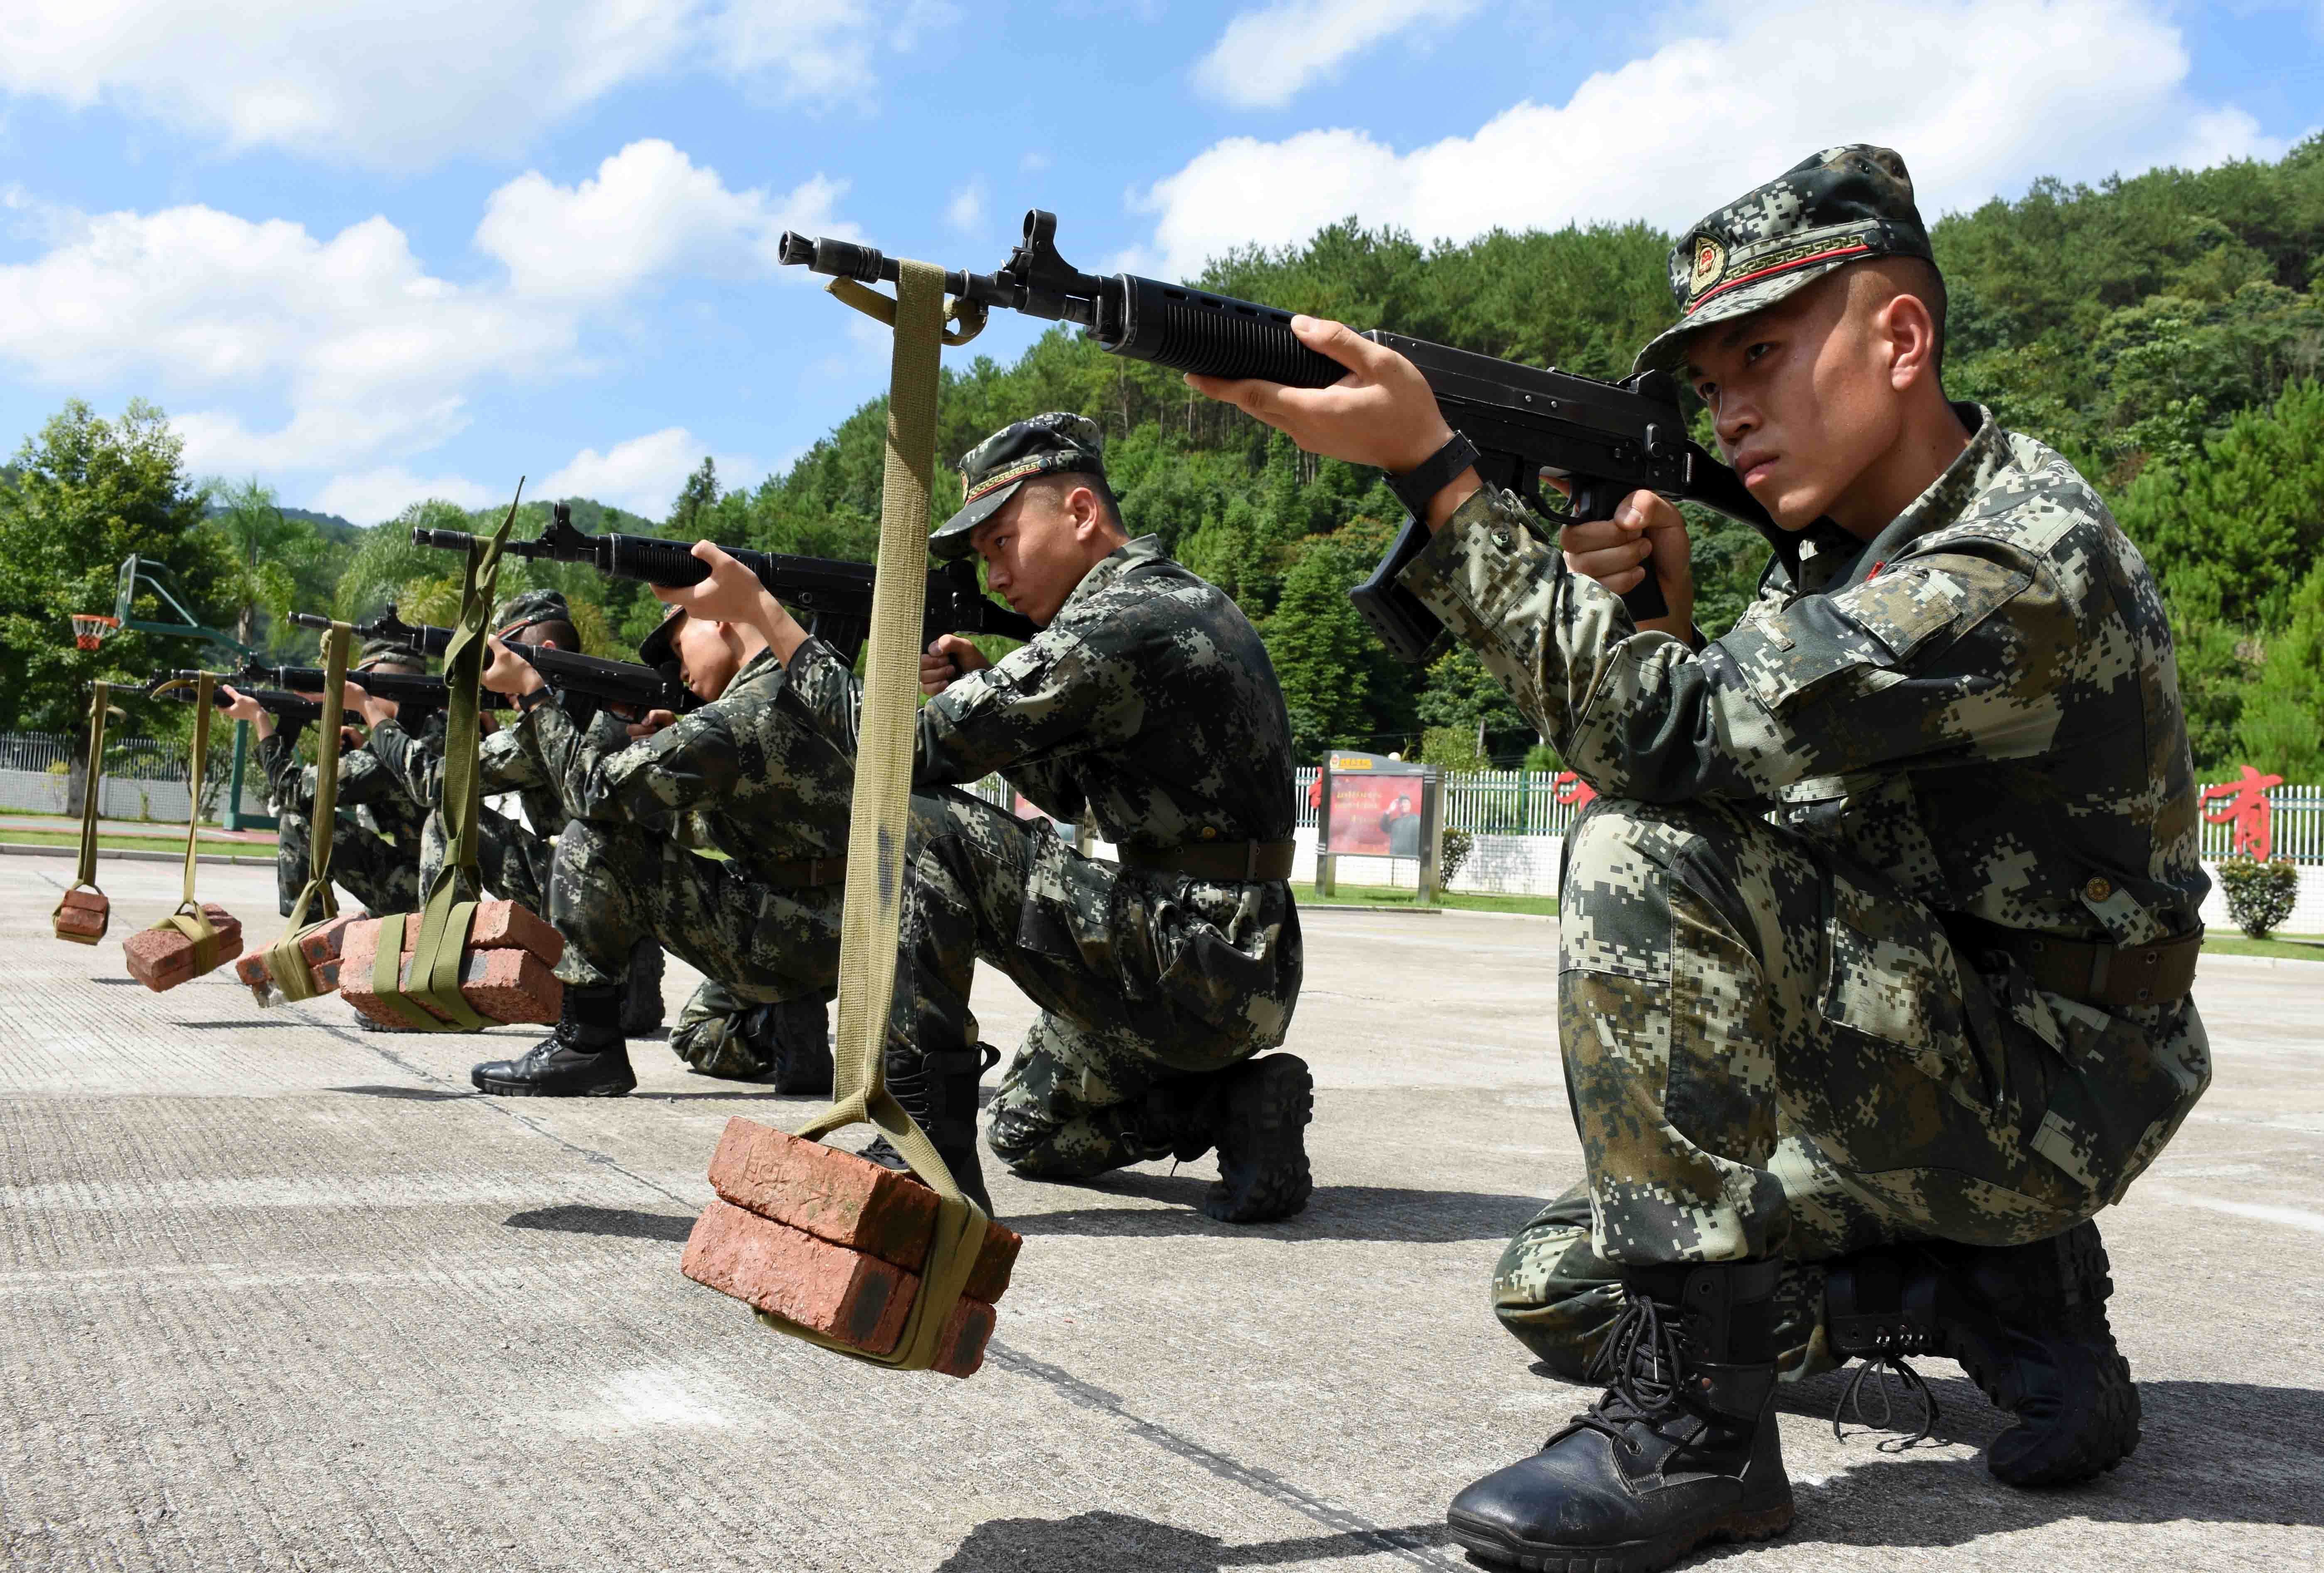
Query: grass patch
[
  {"x": 2234, "y": 944},
  {"x": 1362, "y": 895},
  {"x": 71, "y": 840}
]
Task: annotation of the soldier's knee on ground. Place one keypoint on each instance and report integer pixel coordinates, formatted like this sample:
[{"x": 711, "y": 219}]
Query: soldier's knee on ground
[{"x": 1552, "y": 1292}]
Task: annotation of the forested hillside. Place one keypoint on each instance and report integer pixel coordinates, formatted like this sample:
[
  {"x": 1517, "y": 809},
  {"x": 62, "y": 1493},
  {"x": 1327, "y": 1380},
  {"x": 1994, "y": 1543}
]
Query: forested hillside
[{"x": 2165, "y": 331}]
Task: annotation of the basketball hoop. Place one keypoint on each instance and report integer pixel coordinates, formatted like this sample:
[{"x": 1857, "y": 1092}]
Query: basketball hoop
[{"x": 91, "y": 629}]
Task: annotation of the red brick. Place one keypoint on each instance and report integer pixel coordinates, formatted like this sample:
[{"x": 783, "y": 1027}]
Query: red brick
[
  {"x": 81, "y": 917},
  {"x": 502, "y": 985},
  {"x": 162, "y": 958},
  {"x": 828, "y": 1289},
  {"x": 843, "y": 1294},
  {"x": 326, "y": 942},
  {"x": 847, "y": 1199},
  {"x": 507, "y": 925}
]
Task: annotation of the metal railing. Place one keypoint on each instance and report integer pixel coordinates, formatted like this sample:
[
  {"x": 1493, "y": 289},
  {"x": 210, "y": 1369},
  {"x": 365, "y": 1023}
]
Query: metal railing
[
  {"x": 1524, "y": 802},
  {"x": 143, "y": 779}
]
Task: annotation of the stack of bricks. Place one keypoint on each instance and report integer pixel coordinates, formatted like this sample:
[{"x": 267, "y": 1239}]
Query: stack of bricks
[
  {"x": 834, "y": 1243},
  {"x": 504, "y": 973},
  {"x": 163, "y": 956},
  {"x": 319, "y": 947},
  {"x": 82, "y": 915}
]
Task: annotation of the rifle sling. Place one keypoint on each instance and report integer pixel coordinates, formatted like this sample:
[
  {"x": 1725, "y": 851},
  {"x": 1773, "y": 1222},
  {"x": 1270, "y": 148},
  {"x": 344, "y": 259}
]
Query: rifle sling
[
  {"x": 875, "y": 846},
  {"x": 85, "y": 871},
  {"x": 286, "y": 964}
]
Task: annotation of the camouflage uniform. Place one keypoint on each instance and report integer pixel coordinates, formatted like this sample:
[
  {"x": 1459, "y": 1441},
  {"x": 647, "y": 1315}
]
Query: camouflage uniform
[
  {"x": 746, "y": 777},
  {"x": 375, "y": 853},
  {"x": 1150, "y": 704},
  {"x": 1801, "y": 1038}
]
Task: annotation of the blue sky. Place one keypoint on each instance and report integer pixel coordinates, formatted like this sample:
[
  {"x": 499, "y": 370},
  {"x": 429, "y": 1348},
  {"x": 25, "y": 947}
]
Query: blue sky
[{"x": 385, "y": 249}]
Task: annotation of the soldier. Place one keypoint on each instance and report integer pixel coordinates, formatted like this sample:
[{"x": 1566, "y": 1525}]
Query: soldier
[
  {"x": 1147, "y": 702},
  {"x": 375, "y": 853},
  {"x": 513, "y": 856},
  {"x": 1853, "y": 1082},
  {"x": 746, "y": 776}
]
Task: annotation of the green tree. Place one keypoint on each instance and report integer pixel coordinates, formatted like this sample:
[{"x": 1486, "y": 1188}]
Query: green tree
[
  {"x": 2249, "y": 510},
  {"x": 86, "y": 493},
  {"x": 2281, "y": 731},
  {"x": 268, "y": 551},
  {"x": 695, "y": 499}
]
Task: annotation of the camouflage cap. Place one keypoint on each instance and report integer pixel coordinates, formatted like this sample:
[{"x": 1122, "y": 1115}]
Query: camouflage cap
[
  {"x": 526, "y": 607},
  {"x": 387, "y": 652},
  {"x": 1837, "y": 207},
  {"x": 655, "y": 649},
  {"x": 995, "y": 467}
]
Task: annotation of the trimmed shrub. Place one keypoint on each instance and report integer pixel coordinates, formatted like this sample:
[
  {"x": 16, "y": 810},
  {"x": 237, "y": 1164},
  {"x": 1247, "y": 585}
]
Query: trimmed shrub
[
  {"x": 1458, "y": 844},
  {"x": 2259, "y": 894}
]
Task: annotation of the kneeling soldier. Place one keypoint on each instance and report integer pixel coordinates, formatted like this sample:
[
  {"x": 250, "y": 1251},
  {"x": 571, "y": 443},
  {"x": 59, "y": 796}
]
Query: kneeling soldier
[
  {"x": 376, "y": 841},
  {"x": 1853, "y": 1082},
  {"x": 1147, "y": 702},
  {"x": 746, "y": 777},
  {"x": 513, "y": 856}
]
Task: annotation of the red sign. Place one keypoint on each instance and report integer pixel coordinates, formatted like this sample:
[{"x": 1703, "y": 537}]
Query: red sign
[
  {"x": 2247, "y": 809},
  {"x": 1571, "y": 790},
  {"x": 1375, "y": 816}
]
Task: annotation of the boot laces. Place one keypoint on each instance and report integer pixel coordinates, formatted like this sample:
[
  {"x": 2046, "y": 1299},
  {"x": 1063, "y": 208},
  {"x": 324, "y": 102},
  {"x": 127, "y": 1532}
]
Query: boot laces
[
  {"x": 1643, "y": 1358},
  {"x": 1915, "y": 1385}
]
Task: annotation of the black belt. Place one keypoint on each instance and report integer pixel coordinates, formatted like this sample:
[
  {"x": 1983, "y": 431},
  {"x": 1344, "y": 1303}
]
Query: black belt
[
  {"x": 803, "y": 871},
  {"x": 1227, "y": 862},
  {"x": 2112, "y": 977}
]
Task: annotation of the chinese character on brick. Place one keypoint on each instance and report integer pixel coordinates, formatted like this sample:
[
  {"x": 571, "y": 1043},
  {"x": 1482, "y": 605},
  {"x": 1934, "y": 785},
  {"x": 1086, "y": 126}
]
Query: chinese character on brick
[{"x": 2246, "y": 809}]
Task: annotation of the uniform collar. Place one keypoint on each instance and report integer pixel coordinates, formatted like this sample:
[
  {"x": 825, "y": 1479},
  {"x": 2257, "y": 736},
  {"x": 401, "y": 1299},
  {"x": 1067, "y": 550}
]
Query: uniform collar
[
  {"x": 1950, "y": 496},
  {"x": 1113, "y": 565}
]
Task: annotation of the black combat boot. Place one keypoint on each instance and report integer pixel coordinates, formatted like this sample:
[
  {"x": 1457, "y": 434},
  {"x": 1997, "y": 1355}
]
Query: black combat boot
[
  {"x": 2028, "y": 1323},
  {"x": 586, "y": 1057},
  {"x": 642, "y": 1006},
  {"x": 793, "y": 1041},
  {"x": 1264, "y": 1105},
  {"x": 1681, "y": 1451},
  {"x": 938, "y": 1090}
]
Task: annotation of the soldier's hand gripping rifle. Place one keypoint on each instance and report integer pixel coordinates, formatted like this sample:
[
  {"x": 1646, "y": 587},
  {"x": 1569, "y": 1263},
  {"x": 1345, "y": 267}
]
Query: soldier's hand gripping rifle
[
  {"x": 1606, "y": 439},
  {"x": 294, "y": 709},
  {"x": 625, "y": 685},
  {"x": 833, "y": 599}
]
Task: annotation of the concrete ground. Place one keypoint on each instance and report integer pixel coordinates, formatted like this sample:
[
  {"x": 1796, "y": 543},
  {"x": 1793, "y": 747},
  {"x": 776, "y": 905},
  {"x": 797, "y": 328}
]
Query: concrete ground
[{"x": 278, "y": 1293}]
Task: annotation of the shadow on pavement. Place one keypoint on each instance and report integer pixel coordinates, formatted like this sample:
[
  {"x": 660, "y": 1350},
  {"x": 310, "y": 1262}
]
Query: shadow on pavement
[
  {"x": 622, "y": 1223},
  {"x": 1119, "y": 1543},
  {"x": 2213, "y": 1452},
  {"x": 234, "y": 1026},
  {"x": 1336, "y": 1212},
  {"x": 426, "y": 1094}
]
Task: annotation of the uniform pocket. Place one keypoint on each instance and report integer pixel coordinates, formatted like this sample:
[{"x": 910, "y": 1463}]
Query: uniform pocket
[{"x": 1888, "y": 976}]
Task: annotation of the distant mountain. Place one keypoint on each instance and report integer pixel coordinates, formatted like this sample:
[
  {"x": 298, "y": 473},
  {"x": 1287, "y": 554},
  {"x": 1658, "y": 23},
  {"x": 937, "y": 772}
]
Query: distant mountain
[{"x": 334, "y": 527}]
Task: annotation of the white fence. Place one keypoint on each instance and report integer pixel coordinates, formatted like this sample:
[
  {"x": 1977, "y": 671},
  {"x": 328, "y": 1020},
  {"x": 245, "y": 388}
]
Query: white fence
[{"x": 144, "y": 780}]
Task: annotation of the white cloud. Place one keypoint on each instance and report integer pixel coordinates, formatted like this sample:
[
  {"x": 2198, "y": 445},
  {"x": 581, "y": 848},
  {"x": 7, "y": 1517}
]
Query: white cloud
[
  {"x": 965, "y": 211},
  {"x": 648, "y": 210},
  {"x": 1265, "y": 57},
  {"x": 2002, "y": 90},
  {"x": 643, "y": 475},
  {"x": 368, "y": 496},
  {"x": 367, "y": 356},
  {"x": 369, "y": 350},
  {"x": 410, "y": 83}
]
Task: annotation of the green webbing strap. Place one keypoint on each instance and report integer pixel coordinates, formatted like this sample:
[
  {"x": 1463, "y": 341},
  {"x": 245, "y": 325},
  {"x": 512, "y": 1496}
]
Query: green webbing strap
[
  {"x": 188, "y": 920},
  {"x": 292, "y": 977},
  {"x": 882, "y": 803},
  {"x": 85, "y": 873},
  {"x": 441, "y": 947}
]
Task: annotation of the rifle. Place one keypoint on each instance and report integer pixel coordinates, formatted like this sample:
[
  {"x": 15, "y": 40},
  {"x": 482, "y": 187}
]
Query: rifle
[
  {"x": 282, "y": 705},
  {"x": 624, "y": 684},
  {"x": 1608, "y": 439},
  {"x": 837, "y": 597},
  {"x": 416, "y": 689}
]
